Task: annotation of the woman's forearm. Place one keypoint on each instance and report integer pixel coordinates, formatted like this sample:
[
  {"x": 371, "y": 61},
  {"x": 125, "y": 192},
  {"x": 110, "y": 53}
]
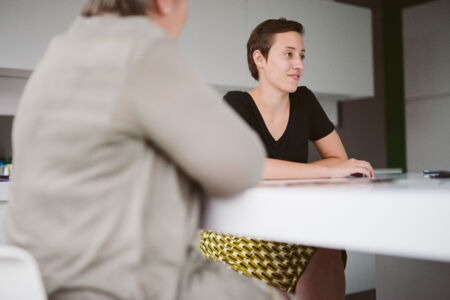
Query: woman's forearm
[
  {"x": 325, "y": 168},
  {"x": 281, "y": 169},
  {"x": 329, "y": 161}
]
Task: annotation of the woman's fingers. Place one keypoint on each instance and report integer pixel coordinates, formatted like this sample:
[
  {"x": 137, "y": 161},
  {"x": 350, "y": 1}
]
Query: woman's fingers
[
  {"x": 352, "y": 167},
  {"x": 365, "y": 171},
  {"x": 366, "y": 165}
]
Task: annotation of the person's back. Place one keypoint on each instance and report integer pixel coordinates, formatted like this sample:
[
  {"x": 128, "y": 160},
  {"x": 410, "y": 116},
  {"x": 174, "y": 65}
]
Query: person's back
[
  {"x": 114, "y": 146},
  {"x": 77, "y": 155}
]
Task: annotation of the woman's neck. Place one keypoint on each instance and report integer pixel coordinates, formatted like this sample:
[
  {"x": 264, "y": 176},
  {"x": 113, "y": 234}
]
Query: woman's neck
[{"x": 270, "y": 99}]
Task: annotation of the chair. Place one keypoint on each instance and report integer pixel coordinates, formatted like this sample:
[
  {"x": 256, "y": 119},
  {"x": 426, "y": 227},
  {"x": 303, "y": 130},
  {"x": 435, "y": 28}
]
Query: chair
[{"x": 20, "y": 278}]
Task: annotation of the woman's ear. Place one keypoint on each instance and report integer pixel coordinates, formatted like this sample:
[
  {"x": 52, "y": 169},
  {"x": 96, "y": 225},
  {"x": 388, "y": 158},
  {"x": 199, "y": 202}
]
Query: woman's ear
[
  {"x": 162, "y": 7},
  {"x": 258, "y": 58}
]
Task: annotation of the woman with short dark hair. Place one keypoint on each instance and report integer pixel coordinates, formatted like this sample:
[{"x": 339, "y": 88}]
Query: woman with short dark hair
[{"x": 286, "y": 117}]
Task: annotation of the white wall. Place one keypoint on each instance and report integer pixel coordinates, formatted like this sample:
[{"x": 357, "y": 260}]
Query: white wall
[
  {"x": 414, "y": 279},
  {"x": 426, "y": 31},
  {"x": 11, "y": 87},
  {"x": 359, "y": 272},
  {"x": 214, "y": 40},
  {"x": 426, "y": 35},
  {"x": 26, "y": 27},
  {"x": 428, "y": 133}
]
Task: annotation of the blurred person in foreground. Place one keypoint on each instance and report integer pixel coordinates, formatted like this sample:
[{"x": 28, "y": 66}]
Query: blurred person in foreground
[{"x": 116, "y": 142}]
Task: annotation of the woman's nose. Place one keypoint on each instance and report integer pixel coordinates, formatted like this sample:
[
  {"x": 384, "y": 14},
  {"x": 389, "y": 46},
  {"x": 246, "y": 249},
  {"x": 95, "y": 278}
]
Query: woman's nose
[{"x": 299, "y": 64}]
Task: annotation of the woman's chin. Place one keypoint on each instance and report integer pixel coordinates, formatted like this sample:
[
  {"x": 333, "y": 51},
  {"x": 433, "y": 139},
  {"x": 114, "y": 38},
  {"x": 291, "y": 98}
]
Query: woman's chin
[
  {"x": 288, "y": 88},
  {"x": 292, "y": 89}
]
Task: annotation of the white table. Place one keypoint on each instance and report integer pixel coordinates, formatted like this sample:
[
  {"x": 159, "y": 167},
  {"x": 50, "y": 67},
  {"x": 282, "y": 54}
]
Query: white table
[{"x": 393, "y": 215}]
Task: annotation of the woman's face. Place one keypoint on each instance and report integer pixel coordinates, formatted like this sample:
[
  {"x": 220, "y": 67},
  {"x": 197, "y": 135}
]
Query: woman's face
[
  {"x": 179, "y": 16},
  {"x": 171, "y": 16},
  {"x": 284, "y": 64}
]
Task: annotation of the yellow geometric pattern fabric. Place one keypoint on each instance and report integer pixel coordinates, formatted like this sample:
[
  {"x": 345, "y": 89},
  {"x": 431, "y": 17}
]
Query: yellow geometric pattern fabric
[{"x": 278, "y": 264}]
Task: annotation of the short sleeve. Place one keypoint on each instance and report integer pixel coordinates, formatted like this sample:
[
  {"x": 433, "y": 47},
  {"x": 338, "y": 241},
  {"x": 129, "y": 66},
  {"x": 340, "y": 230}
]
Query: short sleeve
[
  {"x": 318, "y": 121},
  {"x": 238, "y": 102}
]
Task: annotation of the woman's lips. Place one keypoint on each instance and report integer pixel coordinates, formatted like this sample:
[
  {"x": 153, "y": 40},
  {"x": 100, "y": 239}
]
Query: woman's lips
[{"x": 295, "y": 76}]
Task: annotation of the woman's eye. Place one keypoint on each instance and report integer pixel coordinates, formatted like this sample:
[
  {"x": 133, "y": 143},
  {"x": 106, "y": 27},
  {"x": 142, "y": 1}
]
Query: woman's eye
[
  {"x": 302, "y": 57},
  {"x": 289, "y": 54}
]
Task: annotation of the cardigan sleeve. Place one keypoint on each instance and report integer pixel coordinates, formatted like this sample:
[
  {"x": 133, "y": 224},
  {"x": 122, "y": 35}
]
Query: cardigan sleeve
[{"x": 176, "y": 111}]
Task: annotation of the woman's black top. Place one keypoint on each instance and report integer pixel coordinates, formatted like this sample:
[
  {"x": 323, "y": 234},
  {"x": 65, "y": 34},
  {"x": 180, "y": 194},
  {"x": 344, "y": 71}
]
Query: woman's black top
[{"x": 307, "y": 121}]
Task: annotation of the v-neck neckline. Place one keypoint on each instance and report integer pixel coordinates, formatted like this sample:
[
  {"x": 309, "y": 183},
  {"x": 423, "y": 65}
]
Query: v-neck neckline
[{"x": 261, "y": 119}]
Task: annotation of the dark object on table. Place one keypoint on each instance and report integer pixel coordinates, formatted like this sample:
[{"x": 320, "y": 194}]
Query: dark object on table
[
  {"x": 358, "y": 175},
  {"x": 437, "y": 173}
]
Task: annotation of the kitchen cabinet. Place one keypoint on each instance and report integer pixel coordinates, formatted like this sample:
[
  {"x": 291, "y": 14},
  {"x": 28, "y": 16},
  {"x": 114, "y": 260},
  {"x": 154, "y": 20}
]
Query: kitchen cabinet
[
  {"x": 26, "y": 28},
  {"x": 214, "y": 41},
  {"x": 338, "y": 43},
  {"x": 338, "y": 39},
  {"x": 12, "y": 83}
]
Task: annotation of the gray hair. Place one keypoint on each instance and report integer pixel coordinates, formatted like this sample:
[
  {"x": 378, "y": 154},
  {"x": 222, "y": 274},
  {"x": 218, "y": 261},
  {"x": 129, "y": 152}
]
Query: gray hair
[{"x": 120, "y": 7}]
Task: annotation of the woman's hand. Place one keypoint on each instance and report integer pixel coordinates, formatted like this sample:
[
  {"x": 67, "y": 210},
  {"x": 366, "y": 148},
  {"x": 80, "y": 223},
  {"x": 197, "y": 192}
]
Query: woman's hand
[
  {"x": 334, "y": 163},
  {"x": 351, "y": 167}
]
